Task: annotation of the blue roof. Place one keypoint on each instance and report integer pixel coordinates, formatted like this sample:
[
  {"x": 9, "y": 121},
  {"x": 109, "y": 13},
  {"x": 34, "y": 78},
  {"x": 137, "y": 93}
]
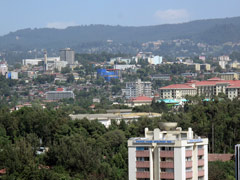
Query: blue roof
[
  {"x": 208, "y": 99},
  {"x": 168, "y": 101}
]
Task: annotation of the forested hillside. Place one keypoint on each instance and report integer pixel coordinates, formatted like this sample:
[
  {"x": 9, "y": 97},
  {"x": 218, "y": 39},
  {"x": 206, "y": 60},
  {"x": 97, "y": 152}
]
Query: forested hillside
[{"x": 213, "y": 31}]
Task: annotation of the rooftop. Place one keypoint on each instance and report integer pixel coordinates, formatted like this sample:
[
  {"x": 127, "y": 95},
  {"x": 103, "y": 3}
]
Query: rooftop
[{"x": 178, "y": 86}]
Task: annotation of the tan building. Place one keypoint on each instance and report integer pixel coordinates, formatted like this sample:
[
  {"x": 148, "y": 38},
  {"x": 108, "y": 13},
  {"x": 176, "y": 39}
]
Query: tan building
[
  {"x": 229, "y": 76},
  {"x": 211, "y": 87},
  {"x": 177, "y": 91},
  {"x": 168, "y": 154}
]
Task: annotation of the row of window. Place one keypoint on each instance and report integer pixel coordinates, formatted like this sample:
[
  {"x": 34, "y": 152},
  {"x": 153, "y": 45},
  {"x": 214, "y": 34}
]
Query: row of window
[{"x": 167, "y": 148}]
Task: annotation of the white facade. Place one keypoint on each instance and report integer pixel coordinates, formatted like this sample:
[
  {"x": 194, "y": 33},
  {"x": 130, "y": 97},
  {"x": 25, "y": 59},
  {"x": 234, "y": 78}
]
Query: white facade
[
  {"x": 33, "y": 62},
  {"x": 166, "y": 154},
  {"x": 12, "y": 75},
  {"x": 124, "y": 66},
  {"x": 3, "y": 69},
  {"x": 223, "y": 64},
  {"x": 155, "y": 60},
  {"x": 138, "y": 88}
]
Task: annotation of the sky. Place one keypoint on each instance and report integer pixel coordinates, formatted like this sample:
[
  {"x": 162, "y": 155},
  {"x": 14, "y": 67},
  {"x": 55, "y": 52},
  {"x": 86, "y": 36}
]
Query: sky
[{"x": 20, "y": 14}]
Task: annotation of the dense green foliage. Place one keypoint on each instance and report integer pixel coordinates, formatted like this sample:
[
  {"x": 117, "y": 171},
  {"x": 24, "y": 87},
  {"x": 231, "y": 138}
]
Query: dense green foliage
[
  {"x": 83, "y": 149},
  {"x": 221, "y": 170}
]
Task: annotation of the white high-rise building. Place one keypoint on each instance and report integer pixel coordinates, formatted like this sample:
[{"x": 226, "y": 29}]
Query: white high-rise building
[
  {"x": 138, "y": 88},
  {"x": 67, "y": 55},
  {"x": 168, "y": 154}
]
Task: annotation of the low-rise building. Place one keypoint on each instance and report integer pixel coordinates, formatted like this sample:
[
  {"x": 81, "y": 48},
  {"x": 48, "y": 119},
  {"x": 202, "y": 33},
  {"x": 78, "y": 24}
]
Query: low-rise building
[
  {"x": 106, "y": 119},
  {"x": 58, "y": 95},
  {"x": 161, "y": 77},
  {"x": 139, "y": 101},
  {"x": 229, "y": 76}
]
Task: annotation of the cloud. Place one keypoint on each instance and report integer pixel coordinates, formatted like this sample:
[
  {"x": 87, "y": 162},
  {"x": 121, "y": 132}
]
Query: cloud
[
  {"x": 172, "y": 16},
  {"x": 60, "y": 25}
]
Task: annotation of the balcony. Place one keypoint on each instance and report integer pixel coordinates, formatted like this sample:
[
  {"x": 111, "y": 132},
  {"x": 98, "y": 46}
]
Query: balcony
[
  {"x": 188, "y": 153},
  {"x": 189, "y": 174},
  {"x": 166, "y": 164},
  {"x": 201, "y": 152},
  {"x": 201, "y": 162},
  {"x": 142, "y": 153},
  {"x": 142, "y": 164},
  {"x": 142, "y": 174},
  {"x": 188, "y": 164},
  {"x": 166, "y": 153},
  {"x": 200, "y": 173},
  {"x": 166, "y": 175}
]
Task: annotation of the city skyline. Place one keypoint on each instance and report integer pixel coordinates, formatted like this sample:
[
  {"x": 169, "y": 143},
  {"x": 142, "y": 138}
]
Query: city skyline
[{"x": 61, "y": 13}]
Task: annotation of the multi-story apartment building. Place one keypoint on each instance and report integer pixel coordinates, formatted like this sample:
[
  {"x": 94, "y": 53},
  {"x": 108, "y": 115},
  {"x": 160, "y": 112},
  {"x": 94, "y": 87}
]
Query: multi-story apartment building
[
  {"x": 209, "y": 88},
  {"x": 168, "y": 154},
  {"x": 138, "y": 88}
]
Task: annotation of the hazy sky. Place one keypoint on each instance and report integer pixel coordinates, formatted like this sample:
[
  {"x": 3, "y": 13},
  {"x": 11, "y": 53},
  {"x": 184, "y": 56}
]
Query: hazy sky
[{"x": 19, "y": 14}]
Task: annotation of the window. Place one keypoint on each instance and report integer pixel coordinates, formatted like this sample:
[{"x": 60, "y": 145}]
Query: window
[
  {"x": 200, "y": 168},
  {"x": 141, "y": 148},
  {"x": 188, "y": 158},
  {"x": 166, "y": 159},
  {"x": 200, "y": 147},
  {"x": 142, "y": 158},
  {"x": 169, "y": 170},
  {"x": 200, "y": 157},
  {"x": 167, "y": 148},
  {"x": 184, "y": 135},
  {"x": 188, "y": 169},
  {"x": 142, "y": 169}
]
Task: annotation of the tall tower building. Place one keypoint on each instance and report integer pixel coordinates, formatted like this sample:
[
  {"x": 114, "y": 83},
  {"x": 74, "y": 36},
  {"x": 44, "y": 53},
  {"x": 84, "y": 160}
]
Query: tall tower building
[
  {"x": 168, "y": 154},
  {"x": 67, "y": 55},
  {"x": 45, "y": 61}
]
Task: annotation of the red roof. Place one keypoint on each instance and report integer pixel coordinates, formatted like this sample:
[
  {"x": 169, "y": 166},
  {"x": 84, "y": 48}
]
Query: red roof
[
  {"x": 211, "y": 82},
  {"x": 141, "y": 98},
  {"x": 178, "y": 86},
  {"x": 3, "y": 171},
  {"x": 59, "y": 89},
  {"x": 220, "y": 157}
]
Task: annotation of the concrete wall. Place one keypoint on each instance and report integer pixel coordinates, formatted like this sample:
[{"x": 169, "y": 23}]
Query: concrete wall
[
  {"x": 179, "y": 163},
  {"x": 132, "y": 163}
]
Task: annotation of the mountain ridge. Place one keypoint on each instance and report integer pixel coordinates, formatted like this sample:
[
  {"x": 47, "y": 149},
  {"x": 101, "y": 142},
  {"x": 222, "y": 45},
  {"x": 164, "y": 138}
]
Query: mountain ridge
[{"x": 210, "y": 31}]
